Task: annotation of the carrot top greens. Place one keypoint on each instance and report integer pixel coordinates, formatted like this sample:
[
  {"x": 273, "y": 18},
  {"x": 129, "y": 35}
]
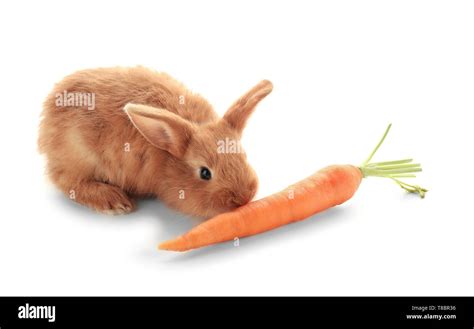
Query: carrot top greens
[{"x": 393, "y": 169}]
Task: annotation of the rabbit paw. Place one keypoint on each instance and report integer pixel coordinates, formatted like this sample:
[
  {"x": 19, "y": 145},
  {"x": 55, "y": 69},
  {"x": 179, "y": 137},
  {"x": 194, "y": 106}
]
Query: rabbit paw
[{"x": 105, "y": 198}]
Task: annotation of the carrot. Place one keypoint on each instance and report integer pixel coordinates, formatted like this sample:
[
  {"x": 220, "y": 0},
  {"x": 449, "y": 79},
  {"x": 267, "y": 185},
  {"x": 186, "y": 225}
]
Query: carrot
[{"x": 324, "y": 189}]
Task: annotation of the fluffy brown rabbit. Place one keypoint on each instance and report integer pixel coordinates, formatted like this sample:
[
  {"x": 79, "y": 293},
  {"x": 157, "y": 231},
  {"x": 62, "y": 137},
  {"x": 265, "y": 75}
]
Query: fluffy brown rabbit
[{"x": 111, "y": 134}]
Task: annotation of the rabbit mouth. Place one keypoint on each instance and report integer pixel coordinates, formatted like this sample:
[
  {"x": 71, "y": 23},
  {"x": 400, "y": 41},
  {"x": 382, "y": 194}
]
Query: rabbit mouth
[
  {"x": 237, "y": 202},
  {"x": 228, "y": 200}
]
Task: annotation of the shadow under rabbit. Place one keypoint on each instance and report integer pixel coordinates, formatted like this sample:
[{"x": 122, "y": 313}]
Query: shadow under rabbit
[{"x": 172, "y": 224}]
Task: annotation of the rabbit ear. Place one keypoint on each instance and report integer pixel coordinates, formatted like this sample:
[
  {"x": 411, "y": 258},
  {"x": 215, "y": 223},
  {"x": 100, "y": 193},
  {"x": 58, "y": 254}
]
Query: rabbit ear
[
  {"x": 241, "y": 110},
  {"x": 163, "y": 129}
]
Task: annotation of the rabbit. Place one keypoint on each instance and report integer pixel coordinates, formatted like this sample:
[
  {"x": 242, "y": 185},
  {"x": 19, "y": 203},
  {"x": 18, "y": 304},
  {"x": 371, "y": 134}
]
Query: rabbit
[{"x": 145, "y": 135}]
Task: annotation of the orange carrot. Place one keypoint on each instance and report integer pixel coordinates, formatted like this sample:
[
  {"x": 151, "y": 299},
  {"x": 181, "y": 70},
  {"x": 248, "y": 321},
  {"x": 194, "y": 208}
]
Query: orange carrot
[{"x": 324, "y": 189}]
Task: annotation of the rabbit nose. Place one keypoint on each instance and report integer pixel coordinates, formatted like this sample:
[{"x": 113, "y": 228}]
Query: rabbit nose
[{"x": 237, "y": 200}]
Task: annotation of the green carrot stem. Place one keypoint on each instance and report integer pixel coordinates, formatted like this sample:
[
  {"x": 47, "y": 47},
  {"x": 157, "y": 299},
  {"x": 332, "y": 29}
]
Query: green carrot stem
[
  {"x": 393, "y": 169},
  {"x": 378, "y": 145},
  {"x": 403, "y": 176},
  {"x": 370, "y": 172},
  {"x": 399, "y": 166},
  {"x": 373, "y": 164}
]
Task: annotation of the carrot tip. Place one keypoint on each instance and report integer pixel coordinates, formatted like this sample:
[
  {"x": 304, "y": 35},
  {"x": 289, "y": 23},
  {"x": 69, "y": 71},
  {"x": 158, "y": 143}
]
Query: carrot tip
[{"x": 173, "y": 245}]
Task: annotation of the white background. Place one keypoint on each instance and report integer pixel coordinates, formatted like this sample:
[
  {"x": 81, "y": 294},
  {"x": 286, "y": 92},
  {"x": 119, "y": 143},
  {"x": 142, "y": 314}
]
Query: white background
[{"x": 342, "y": 71}]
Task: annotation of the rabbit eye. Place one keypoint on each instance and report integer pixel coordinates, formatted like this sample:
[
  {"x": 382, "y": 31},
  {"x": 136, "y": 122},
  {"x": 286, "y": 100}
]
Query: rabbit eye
[{"x": 205, "y": 173}]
